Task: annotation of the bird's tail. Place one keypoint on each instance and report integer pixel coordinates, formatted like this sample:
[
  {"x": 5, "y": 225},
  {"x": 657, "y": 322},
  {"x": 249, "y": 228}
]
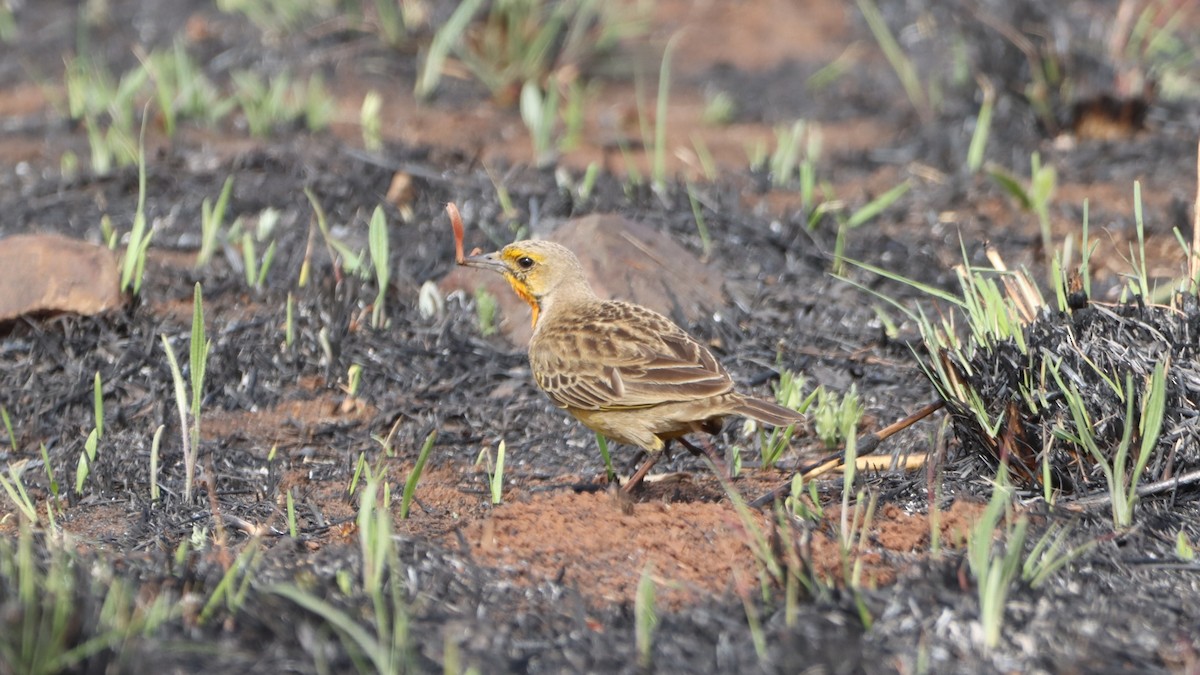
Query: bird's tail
[{"x": 767, "y": 412}]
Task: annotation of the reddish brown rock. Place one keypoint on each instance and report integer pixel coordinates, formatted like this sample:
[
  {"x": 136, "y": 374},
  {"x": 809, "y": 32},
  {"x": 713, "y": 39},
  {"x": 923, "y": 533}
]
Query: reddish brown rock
[
  {"x": 623, "y": 259},
  {"x": 49, "y": 273}
]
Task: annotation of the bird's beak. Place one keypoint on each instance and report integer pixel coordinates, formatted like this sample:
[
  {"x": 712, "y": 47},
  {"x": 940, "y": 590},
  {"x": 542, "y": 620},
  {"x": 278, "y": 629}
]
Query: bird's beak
[
  {"x": 493, "y": 261},
  {"x": 487, "y": 261}
]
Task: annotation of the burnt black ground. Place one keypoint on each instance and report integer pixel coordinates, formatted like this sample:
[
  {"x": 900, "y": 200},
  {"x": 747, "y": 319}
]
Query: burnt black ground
[{"x": 1127, "y": 604}]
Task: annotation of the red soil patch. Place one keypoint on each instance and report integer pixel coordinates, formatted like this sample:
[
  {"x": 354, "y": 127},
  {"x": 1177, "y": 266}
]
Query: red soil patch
[
  {"x": 96, "y": 523},
  {"x": 719, "y": 32},
  {"x": 597, "y": 543},
  {"x": 287, "y": 422},
  {"x": 695, "y": 549}
]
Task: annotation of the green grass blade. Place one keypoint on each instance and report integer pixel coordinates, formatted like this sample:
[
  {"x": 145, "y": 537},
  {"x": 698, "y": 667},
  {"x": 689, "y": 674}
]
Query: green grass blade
[
  {"x": 410, "y": 485},
  {"x": 443, "y": 42}
]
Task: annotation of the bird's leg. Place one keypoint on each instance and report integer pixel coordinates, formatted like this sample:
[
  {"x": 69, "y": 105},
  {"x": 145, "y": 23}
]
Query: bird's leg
[
  {"x": 636, "y": 479},
  {"x": 693, "y": 448},
  {"x": 709, "y": 452},
  {"x": 651, "y": 458}
]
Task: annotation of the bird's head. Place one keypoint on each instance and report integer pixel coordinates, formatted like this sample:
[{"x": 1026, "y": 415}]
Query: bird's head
[{"x": 539, "y": 271}]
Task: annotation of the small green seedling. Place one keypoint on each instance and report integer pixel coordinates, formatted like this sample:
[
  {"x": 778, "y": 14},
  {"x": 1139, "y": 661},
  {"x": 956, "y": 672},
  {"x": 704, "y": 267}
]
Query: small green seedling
[
  {"x": 133, "y": 264},
  {"x": 15, "y": 487},
  {"x": 154, "y": 449},
  {"x": 485, "y": 309},
  {"x": 354, "y": 379},
  {"x": 497, "y": 479},
  {"x": 378, "y": 247},
  {"x": 86, "y": 460},
  {"x": 8, "y": 428},
  {"x": 609, "y": 472},
  {"x": 198, "y": 360},
  {"x": 1183, "y": 548},
  {"x": 212, "y": 219},
  {"x": 369, "y": 119},
  {"x": 539, "y": 112},
  {"x": 645, "y": 618},
  {"x": 410, "y": 484},
  {"x": 994, "y": 571}
]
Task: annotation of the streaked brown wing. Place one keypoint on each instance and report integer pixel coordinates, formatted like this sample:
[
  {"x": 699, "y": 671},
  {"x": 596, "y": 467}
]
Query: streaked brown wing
[{"x": 622, "y": 356}]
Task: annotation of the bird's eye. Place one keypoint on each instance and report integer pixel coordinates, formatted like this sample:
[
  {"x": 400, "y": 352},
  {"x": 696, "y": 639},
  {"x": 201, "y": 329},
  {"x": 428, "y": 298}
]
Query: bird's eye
[{"x": 525, "y": 262}]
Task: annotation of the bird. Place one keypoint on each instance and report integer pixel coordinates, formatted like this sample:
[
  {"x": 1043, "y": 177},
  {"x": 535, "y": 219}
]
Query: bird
[{"x": 623, "y": 370}]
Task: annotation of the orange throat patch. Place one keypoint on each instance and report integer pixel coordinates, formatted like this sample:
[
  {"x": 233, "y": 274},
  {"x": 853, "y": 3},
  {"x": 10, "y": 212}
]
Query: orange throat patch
[{"x": 522, "y": 292}]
